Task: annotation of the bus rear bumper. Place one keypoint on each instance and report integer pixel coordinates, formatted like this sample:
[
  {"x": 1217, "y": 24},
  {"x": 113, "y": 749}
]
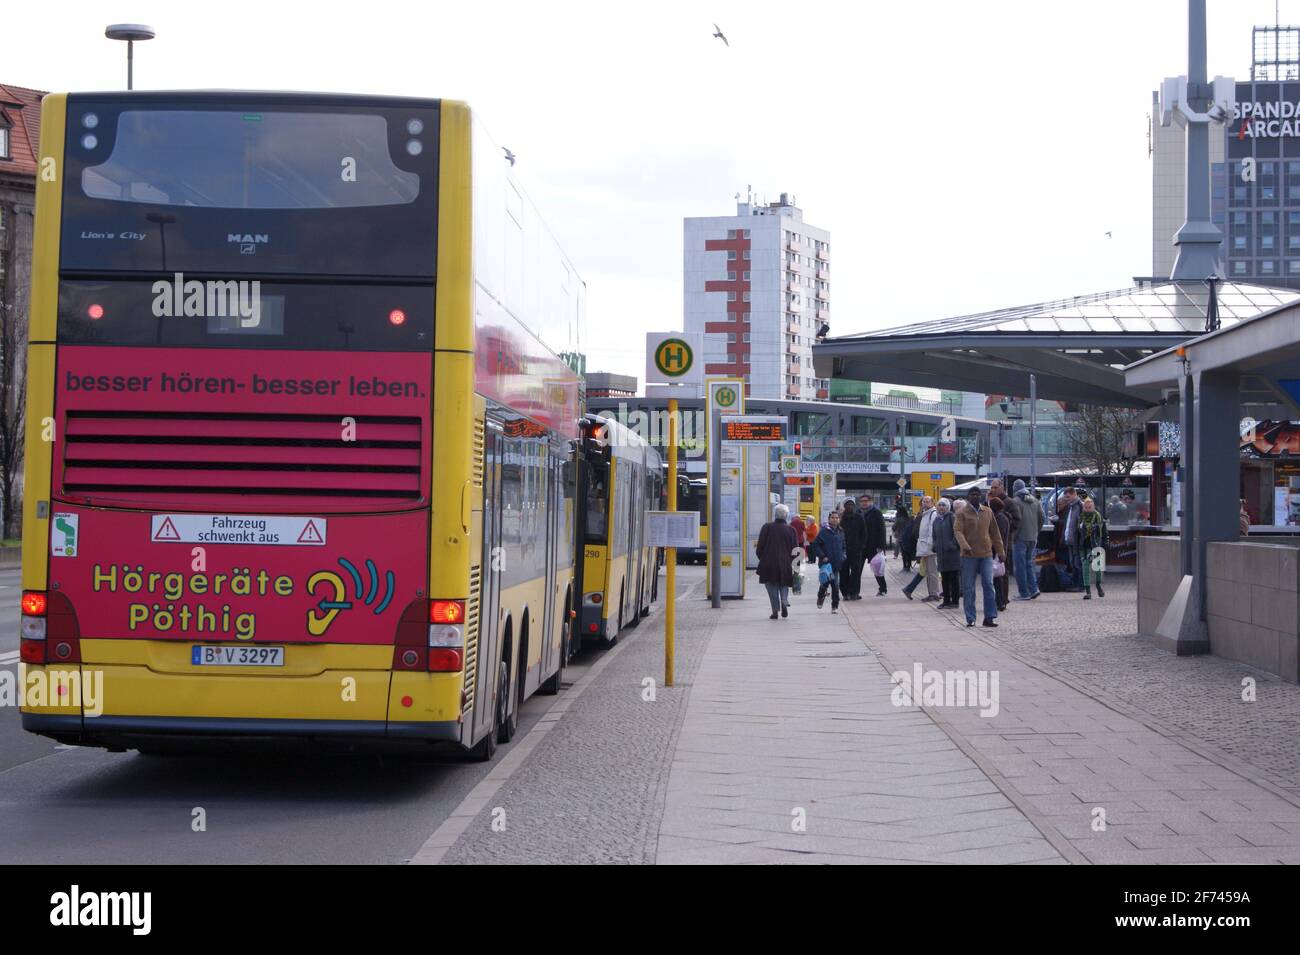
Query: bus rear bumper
[{"x": 130, "y": 732}]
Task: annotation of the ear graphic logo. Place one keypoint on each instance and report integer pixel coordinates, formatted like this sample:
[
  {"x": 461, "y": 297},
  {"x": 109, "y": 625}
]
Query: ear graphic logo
[{"x": 334, "y": 593}]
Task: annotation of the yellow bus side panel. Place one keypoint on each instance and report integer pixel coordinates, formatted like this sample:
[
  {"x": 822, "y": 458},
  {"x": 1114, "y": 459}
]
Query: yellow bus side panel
[
  {"x": 42, "y": 324},
  {"x": 453, "y": 371},
  {"x": 36, "y": 467}
]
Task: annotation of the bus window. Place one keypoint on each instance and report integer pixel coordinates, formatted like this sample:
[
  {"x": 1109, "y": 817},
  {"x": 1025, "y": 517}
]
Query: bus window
[
  {"x": 256, "y": 159},
  {"x": 597, "y": 502}
]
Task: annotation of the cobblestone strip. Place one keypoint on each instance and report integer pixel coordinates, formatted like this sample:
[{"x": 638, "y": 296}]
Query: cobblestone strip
[{"x": 590, "y": 790}]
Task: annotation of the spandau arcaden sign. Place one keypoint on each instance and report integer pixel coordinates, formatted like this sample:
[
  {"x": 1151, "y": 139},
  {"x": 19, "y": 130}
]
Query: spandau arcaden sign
[{"x": 1267, "y": 120}]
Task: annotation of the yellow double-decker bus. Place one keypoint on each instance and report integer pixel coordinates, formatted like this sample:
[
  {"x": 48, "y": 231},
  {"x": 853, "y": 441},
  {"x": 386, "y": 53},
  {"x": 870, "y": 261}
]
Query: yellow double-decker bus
[
  {"x": 298, "y": 452},
  {"x": 620, "y": 479}
]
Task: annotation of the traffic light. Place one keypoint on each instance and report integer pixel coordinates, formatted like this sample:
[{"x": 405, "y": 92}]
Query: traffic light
[{"x": 798, "y": 448}]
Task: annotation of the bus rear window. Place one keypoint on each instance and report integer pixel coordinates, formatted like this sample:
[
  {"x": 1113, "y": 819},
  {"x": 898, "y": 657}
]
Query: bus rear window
[
  {"x": 228, "y": 159},
  {"x": 597, "y": 523}
]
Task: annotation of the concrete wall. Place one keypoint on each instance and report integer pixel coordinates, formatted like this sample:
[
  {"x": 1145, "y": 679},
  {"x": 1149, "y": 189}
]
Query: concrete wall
[
  {"x": 1158, "y": 577},
  {"x": 1253, "y": 599},
  {"x": 1252, "y": 605}
]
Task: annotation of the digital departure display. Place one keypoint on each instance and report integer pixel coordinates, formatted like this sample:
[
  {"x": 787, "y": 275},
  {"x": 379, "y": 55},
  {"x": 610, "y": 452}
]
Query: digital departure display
[{"x": 738, "y": 428}]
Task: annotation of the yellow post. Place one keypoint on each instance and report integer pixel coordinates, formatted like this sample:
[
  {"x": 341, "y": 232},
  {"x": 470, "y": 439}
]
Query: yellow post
[{"x": 670, "y": 609}]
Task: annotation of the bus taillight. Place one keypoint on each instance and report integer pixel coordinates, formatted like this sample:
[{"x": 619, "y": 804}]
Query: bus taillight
[
  {"x": 33, "y": 627},
  {"x": 446, "y": 636},
  {"x": 446, "y": 611},
  {"x": 49, "y": 629}
]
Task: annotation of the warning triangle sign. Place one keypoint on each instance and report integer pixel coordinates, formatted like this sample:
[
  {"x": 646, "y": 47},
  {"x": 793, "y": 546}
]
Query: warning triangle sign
[
  {"x": 166, "y": 531},
  {"x": 310, "y": 535}
]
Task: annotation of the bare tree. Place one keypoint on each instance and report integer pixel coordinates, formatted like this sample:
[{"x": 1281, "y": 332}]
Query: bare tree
[
  {"x": 13, "y": 409},
  {"x": 1094, "y": 440}
]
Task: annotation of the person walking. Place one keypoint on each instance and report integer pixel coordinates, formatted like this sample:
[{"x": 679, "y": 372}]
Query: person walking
[
  {"x": 854, "y": 528},
  {"x": 1092, "y": 544},
  {"x": 1026, "y": 540},
  {"x": 927, "y": 568},
  {"x": 875, "y": 541},
  {"x": 827, "y": 549},
  {"x": 1068, "y": 511},
  {"x": 979, "y": 540},
  {"x": 801, "y": 539},
  {"x": 904, "y": 543},
  {"x": 1013, "y": 518},
  {"x": 947, "y": 555},
  {"x": 775, "y": 572},
  {"x": 998, "y": 505}
]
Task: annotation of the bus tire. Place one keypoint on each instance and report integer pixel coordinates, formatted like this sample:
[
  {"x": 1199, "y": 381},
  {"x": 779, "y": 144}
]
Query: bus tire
[
  {"x": 610, "y": 641},
  {"x": 486, "y": 748},
  {"x": 508, "y": 717},
  {"x": 645, "y": 610},
  {"x": 552, "y": 686}
]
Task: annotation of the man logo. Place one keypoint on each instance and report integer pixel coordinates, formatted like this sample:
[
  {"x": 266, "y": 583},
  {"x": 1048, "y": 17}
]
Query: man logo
[
  {"x": 725, "y": 396},
  {"x": 673, "y": 358}
]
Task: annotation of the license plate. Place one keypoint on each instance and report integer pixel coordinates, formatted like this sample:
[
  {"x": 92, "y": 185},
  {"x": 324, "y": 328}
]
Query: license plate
[{"x": 237, "y": 656}]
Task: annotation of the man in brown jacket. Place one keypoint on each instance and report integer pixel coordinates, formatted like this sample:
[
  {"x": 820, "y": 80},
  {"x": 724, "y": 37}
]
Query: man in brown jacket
[{"x": 979, "y": 540}]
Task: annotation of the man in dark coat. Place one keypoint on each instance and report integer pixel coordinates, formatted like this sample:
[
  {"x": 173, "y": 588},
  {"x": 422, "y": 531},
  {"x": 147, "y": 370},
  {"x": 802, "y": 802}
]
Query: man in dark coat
[
  {"x": 875, "y": 539},
  {"x": 776, "y": 546},
  {"x": 855, "y": 538}
]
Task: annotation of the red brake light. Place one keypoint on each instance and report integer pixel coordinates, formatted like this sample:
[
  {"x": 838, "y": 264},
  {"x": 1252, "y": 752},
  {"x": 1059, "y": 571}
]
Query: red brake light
[
  {"x": 32, "y": 651},
  {"x": 397, "y": 316},
  {"x": 95, "y": 311},
  {"x": 33, "y": 603},
  {"x": 447, "y": 611},
  {"x": 445, "y": 660}
]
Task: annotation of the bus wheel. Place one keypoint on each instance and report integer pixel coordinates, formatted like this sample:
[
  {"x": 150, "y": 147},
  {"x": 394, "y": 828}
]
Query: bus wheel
[
  {"x": 486, "y": 748},
  {"x": 645, "y": 611},
  {"x": 552, "y": 686},
  {"x": 508, "y": 719}
]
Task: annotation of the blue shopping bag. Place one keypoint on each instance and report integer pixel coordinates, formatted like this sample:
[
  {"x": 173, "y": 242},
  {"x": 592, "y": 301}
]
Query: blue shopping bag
[{"x": 825, "y": 575}]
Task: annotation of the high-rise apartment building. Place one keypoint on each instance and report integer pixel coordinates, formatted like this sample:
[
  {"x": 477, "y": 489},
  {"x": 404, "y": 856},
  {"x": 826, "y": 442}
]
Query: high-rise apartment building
[{"x": 757, "y": 285}]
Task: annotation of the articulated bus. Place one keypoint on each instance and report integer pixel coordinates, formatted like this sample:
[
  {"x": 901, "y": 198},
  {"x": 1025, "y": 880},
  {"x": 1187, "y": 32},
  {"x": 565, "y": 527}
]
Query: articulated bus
[
  {"x": 620, "y": 479},
  {"x": 298, "y": 463}
]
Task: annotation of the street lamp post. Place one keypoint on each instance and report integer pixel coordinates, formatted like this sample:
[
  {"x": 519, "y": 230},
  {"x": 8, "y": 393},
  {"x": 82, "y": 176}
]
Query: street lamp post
[
  {"x": 1033, "y": 426},
  {"x": 130, "y": 32}
]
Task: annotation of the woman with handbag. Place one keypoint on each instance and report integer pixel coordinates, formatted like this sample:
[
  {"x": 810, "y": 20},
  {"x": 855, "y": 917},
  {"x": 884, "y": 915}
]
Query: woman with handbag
[
  {"x": 1003, "y": 521},
  {"x": 926, "y": 564},
  {"x": 827, "y": 548}
]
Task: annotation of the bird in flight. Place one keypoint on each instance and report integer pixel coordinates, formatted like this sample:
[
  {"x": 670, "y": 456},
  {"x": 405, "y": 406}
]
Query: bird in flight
[
  {"x": 510, "y": 157},
  {"x": 717, "y": 31},
  {"x": 1108, "y": 235}
]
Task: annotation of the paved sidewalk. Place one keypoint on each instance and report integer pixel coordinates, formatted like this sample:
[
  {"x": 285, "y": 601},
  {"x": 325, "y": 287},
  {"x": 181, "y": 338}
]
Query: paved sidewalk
[
  {"x": 1062, "y": 751},
  {"x": 789, "y": 722}
]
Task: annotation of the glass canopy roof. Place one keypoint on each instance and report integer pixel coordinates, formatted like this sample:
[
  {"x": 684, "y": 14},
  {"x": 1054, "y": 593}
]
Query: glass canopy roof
[{"x": 1142, "y": 310}]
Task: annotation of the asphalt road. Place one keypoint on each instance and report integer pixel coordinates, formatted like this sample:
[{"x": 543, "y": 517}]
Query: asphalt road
[{"x": 69, "y": 804}]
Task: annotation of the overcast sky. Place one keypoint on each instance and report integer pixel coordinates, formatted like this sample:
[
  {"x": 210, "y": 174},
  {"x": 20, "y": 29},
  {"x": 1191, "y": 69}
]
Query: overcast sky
[{"x": 964, "y": 156}]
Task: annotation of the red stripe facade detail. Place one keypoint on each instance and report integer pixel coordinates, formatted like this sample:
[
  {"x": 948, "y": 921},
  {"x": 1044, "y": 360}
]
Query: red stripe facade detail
[{"x": 738, "y": 350}]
